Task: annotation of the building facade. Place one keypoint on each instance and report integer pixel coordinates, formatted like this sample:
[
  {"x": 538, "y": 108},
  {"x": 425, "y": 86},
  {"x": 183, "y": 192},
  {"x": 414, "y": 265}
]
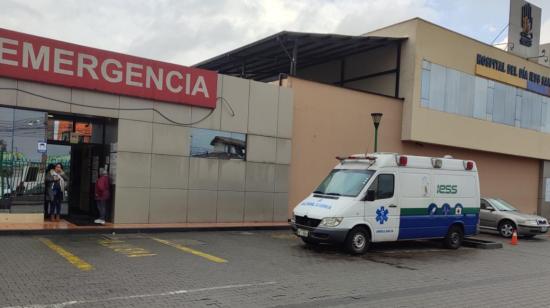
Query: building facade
[
  {"x": 285, "y": 106},
  {"x": 449, "y": 103},
  {"x": 163, "y": 156}
]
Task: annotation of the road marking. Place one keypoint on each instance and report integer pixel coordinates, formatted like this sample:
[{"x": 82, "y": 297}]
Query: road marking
[
  {"x": 124, "y": 248},
  {"x": 119, "y": 298},
  {"x": 74, "y": 260},
  {"x": 190, "y": 250}
]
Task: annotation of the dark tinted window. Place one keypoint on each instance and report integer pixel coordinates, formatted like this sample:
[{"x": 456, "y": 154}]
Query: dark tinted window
[
  {"x": 483, "y": 204},
  {"x": 385, "y": 186}
]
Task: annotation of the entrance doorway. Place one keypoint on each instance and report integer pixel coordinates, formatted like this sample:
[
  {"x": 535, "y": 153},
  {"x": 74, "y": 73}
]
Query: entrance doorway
[{"x": 79, "y": 145}]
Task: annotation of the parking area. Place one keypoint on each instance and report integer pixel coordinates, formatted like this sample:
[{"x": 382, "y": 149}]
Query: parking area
[{"x": 263, "y": 269}]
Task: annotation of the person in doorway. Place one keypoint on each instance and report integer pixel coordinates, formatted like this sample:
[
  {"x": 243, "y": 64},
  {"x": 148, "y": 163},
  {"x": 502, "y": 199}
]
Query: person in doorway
[
  {"x": 48, "y": 182},
  {"x": 102, "y": 194},
  {"x": 56, "y": 190}
]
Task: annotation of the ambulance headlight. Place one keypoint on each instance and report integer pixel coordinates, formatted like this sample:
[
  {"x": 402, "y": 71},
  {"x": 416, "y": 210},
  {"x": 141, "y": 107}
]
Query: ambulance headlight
[{"x": 331, "y": 221}]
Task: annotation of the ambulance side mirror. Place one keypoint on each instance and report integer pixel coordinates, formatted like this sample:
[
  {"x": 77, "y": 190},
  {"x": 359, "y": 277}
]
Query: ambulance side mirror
[{"x": 370, "y": 196}]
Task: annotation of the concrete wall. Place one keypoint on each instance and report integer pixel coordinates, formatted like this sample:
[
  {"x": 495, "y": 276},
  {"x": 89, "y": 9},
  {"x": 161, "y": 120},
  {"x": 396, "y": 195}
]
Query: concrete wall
[
  {"x": 168, "y": 186},
  {"x": 433, "y": 43},
  {"x": 331, "y": 121},
  {"x": 156, "y": 179}
]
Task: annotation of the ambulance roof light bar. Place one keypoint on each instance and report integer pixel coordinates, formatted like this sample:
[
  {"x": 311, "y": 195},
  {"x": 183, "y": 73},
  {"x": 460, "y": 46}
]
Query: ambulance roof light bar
[
  {"x": 356, "y": 157},
  {"x": 468, "y": 164}
]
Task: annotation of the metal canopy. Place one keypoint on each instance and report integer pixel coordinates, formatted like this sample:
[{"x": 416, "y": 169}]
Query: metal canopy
[{"x": 285, "y": 52}]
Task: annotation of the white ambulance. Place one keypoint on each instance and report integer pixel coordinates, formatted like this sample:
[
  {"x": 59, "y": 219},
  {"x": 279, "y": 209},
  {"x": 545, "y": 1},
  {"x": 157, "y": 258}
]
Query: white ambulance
[{"x": 384, "y": 197}]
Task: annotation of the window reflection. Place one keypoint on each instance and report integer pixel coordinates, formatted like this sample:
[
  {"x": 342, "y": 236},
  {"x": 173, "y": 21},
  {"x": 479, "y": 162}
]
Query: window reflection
[
  {"x": 59, "y": 130},
  {"x": 217, "y": 144},
  {"x": 74, "y": 132},
  {"x": 21, "y": 165}
]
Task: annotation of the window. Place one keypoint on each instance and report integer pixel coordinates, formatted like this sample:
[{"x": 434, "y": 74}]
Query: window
[
  {"x": 59, "y": 130},
  {"x": 384, "y": 186},
  {"x": 483, "y": 205},
  {"x": 209, "y": 143},
  {"x": 344, "y": 182},
  {"x": 452, "y": 91},
  {"x": 71, "y": 131}
]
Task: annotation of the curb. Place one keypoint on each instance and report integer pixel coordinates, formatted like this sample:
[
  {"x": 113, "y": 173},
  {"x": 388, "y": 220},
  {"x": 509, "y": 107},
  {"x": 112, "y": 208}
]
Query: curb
[
  {"x": 481, "y": 244},
  {"x": 139, "y": 230}
]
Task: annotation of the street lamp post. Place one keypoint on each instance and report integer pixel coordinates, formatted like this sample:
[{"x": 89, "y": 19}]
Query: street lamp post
[{"x": 376, "y": 117}]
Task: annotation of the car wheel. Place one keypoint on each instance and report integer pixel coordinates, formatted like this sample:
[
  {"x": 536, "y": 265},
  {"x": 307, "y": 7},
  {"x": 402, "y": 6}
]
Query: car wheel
[
  {"x": 358, "y": 240},
  {"x": 454, "y": 237},
  {"x": 506, "y": 228}
]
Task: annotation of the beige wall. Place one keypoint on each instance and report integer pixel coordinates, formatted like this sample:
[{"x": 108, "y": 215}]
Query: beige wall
[
  {"x": 331, "y": 121},
  {"x": 444, "y": 47}
]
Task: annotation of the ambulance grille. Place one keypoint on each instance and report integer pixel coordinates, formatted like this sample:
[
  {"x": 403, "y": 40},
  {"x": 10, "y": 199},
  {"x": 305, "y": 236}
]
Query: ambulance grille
[{"x": 305, "y": 221}]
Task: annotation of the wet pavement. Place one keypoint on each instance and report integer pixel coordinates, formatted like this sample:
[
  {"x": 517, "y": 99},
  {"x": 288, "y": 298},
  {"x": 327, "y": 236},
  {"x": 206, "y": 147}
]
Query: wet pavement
[{"x": 264, "y": 269}]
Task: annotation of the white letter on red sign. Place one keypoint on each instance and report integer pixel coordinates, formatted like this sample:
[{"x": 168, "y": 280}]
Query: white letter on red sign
[
  {"x": 5, "y": 50},
  {"x": 200, "y": 86},
  {"x": 90, "y": 66},
  {"x": 43, "y": 57},
  {"x": 150, "y": 75},
  {"x": 169, "y": 81},
  {"x": 130, "y": 73},
  {"x": 57, "y": 61},
  {"x": 117, "y": 74}
]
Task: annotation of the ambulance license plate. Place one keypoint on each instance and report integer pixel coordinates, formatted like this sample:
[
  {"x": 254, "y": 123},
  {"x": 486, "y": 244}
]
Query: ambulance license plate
[{"x": 302, "y": 232}]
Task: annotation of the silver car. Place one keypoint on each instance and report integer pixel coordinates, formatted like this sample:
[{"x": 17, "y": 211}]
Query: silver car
[{"x": 498, "y": 215}]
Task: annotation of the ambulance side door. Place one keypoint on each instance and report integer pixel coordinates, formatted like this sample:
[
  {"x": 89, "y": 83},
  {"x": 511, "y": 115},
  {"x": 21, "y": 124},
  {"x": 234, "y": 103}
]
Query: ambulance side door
[{"x": 382, "y": 213}]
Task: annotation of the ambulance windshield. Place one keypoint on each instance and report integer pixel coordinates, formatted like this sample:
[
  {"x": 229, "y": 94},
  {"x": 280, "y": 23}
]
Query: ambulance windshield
[{"x": 344, "y": 182}]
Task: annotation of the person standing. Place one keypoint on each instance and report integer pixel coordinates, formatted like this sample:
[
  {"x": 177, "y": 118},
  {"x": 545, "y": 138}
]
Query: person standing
[
  {"x": 48, "y": 182},
  {"x": 55, "y": 187},
  {"x": 102, "y": 194}
]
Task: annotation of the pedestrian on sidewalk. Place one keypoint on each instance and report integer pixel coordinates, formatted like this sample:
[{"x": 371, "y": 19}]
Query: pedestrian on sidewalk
[
  {"x": 55, "y": 187},
  {"x": 102, "y": 194}
]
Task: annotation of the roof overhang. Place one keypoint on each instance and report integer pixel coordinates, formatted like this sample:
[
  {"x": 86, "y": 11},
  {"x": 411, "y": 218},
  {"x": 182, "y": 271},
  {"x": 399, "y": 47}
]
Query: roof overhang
[{"x": 285, "y": 52}]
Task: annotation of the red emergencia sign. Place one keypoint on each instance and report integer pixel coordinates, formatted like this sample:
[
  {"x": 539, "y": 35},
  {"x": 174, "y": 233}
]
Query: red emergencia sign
[{"x": 34, "y": 58}]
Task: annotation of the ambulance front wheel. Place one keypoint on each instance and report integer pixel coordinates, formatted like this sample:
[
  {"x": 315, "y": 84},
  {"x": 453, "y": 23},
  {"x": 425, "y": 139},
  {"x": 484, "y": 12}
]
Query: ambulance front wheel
[
  {"x": 454, "y": 237},
  {"x": 358, "y": 240}
]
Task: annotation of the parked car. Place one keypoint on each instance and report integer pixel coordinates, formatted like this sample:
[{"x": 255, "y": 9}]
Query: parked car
[{"x": 498, "y": 215}]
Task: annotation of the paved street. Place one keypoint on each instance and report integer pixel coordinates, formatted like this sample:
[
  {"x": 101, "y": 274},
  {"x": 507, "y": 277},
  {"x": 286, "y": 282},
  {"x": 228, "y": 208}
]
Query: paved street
[{"x": 263, "y": 269}]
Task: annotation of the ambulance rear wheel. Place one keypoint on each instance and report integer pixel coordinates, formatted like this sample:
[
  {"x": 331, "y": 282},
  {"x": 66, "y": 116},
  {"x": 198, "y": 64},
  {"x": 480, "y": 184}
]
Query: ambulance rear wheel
[
  {"x": 358, "y": 240},
  {"x": 454, "y": 237}
]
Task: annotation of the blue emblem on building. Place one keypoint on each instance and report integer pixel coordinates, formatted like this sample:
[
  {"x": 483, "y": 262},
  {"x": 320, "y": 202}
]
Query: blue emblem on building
[{"x": 382, "y": 215}]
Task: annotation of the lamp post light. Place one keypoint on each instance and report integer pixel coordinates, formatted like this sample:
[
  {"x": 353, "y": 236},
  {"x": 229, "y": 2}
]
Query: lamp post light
[{"x": 376, "y": 117}]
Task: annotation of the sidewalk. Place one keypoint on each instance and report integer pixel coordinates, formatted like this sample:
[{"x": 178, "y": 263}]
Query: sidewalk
[{"x": 65, "y": 227}]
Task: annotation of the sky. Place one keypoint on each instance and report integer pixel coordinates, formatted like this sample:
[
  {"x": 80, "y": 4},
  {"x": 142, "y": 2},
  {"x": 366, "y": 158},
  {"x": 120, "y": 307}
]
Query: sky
[{"x": 189, "y": 31}]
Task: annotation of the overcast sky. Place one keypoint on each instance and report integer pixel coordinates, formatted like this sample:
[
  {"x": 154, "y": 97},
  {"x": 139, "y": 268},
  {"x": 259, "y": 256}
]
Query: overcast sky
[{"x": 189, "y": 31}]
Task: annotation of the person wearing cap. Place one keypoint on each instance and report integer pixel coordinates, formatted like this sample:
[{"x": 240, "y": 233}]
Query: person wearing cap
[{"x": 102, "y": 194}]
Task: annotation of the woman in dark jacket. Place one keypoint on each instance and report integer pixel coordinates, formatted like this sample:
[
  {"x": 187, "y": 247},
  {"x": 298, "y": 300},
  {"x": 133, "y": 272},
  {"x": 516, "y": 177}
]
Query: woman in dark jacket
[{"x": 55, "y": 189}]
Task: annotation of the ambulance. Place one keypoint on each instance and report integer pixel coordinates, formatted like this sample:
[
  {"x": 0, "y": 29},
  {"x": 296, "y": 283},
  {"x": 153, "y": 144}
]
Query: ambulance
[{"x": 385, "y": 197}]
